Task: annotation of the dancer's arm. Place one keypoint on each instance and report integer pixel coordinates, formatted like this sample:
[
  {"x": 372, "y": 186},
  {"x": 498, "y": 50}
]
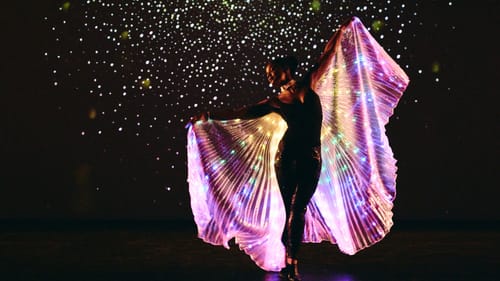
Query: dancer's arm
[{"x": 247, "y": 112}]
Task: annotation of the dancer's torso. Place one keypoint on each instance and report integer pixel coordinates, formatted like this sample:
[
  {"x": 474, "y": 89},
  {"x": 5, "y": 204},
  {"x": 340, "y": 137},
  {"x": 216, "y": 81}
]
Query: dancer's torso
[{"x": 304, "y": 122}]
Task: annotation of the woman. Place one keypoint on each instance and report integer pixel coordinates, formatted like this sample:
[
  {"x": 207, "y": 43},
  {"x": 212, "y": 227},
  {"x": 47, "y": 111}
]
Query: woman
[
  {"x": 298, "y": 160},
  {"x": 233, "y": 191}
]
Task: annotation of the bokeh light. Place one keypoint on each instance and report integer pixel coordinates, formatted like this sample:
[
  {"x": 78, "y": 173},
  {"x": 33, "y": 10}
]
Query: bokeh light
[{"x": 145, "y": 67}]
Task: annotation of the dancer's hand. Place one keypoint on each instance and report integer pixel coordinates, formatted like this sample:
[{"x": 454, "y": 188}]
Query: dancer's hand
[
  {"x": 202, "y": 116},
  {"x": 347, "y": 21}
]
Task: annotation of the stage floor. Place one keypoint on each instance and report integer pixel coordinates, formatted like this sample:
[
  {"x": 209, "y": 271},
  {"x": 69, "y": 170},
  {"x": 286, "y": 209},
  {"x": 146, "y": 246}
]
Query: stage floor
[{"x": 143, "y": 251}]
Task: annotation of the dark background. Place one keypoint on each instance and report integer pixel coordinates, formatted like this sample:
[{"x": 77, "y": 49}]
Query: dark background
[{"x": 443, "y": 133}]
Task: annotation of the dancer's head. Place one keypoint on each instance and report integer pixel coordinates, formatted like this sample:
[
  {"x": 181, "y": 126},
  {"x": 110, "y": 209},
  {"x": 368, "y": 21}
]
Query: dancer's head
[{"x": 281, "y": 70}]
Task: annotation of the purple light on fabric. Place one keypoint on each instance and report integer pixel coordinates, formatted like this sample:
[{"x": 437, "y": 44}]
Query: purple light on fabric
[{"x": 233, "y": 189}]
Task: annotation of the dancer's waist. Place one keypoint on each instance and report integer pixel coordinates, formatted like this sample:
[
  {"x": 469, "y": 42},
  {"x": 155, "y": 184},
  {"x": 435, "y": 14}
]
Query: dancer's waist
[{"x": 301, "y": 140}]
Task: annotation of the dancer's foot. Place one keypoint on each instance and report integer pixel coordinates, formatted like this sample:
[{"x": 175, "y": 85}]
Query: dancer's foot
[
  {"x": 284, "y": 272},
  {"x": 290, "y": 272},
  {"x": 293, "y": 274}
]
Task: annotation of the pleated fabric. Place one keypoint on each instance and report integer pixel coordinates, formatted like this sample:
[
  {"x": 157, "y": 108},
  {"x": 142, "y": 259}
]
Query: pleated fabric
[{"x": 232, "y": 184}]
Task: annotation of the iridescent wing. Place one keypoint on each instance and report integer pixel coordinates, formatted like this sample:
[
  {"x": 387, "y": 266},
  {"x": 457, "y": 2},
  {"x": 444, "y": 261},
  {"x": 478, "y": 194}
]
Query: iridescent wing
[
  {"x": 233, "y": 188},
  {"x": 359, "y": 86},
  {"x": 232, "y": 185}
]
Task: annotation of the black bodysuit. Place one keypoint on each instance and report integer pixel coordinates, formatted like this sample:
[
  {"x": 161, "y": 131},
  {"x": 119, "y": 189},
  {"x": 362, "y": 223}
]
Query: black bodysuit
[{"x": 298, "y": 159}]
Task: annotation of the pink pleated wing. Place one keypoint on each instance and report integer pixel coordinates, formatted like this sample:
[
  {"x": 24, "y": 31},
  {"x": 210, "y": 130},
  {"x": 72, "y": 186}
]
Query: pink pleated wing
[
  {"x": 359, "y": 85},
  {"x": 233, "y": 188},
  {"x": 232, "y": 185}
]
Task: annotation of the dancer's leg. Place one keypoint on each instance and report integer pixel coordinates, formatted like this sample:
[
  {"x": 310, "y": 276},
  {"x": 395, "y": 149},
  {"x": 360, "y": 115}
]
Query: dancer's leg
[
  {"x": 286, "y": 174},
  {"x": 309, "y": 169}
]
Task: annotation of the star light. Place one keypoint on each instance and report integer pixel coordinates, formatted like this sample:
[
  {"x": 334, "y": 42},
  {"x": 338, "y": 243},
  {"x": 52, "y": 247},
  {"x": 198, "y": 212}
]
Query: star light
[{"x": 192, "y": 56}]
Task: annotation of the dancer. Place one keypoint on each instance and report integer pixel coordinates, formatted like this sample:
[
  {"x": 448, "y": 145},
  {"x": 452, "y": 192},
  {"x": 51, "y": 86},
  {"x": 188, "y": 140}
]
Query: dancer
[
  {"x": 298, "y": 160},
  {"x": 320, "y": 146}
]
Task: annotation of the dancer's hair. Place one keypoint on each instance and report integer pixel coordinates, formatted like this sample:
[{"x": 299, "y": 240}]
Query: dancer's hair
[{"x": 288, "y": 62}]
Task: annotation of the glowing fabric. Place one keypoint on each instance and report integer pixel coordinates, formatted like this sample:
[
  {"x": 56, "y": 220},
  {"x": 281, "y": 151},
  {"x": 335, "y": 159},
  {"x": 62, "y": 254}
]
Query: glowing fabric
[{"x": 233, "y": 188}]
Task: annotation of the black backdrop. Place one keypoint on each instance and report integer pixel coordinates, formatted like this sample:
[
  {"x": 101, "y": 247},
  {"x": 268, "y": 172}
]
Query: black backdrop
[{"x": 445, "y": 136}]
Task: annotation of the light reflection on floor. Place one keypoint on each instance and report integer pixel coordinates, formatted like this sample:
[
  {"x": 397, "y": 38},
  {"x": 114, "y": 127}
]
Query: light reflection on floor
[
  {"x": 316, "y": 277},
  {"x": 128, "y": 252}
]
